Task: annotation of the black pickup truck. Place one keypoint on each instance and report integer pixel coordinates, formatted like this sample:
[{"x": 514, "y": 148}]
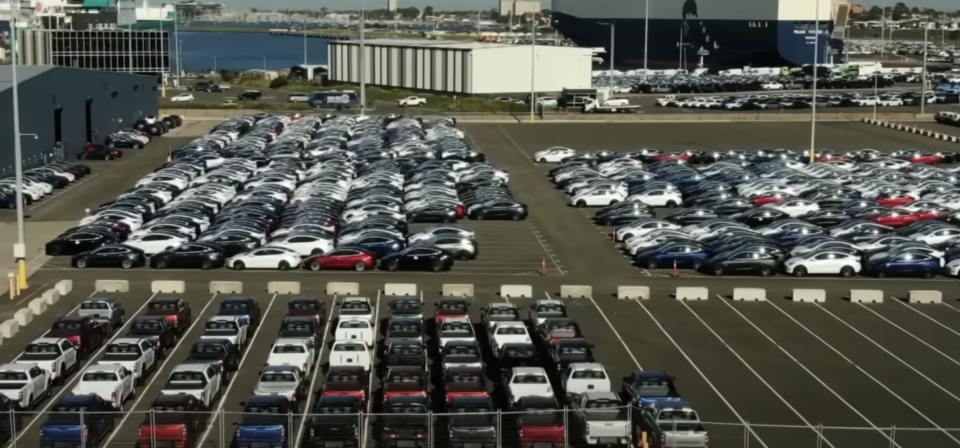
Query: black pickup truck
[
  {"x": 216, "y": 351},
  {"x": 334, "y": 422},
  {"x": 472, "y": 422},
  {"x": 157, "y": 329},
  {"x": 405, "y": 422}
]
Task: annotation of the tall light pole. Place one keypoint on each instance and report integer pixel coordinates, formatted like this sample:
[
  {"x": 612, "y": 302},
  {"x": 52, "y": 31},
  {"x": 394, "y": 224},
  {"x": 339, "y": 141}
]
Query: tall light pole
[
  {"x": 533, "y": 64},
  {"x": 363, "y": 61},
  {"x": 646, "y": 36},
  {"x": 813, "y": 106},
  {"x": 876, "y": 92},
  {"x": 613, "y": 41},
  {"x": 304, "y": 41},
  {"x": 19, "y": 249},
  {"x": 176, "y": 40},
  {"x": 923, "y": 73}
]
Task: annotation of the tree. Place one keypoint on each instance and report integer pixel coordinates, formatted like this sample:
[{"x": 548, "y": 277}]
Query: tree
[
  {"x": 253, "y": 10},
  {"x": 428, "y": 11}
]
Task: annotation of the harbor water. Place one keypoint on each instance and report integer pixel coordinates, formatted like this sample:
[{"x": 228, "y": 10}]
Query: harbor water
[{"x": 203, "y": 51}]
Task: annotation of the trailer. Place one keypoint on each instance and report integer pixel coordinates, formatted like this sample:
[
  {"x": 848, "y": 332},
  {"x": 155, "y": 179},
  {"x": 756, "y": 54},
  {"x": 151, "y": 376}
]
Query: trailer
[{"x": 592, "y": 107}]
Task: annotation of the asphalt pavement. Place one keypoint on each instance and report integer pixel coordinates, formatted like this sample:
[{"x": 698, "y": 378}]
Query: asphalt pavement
[{"x": 766, "y": 374}]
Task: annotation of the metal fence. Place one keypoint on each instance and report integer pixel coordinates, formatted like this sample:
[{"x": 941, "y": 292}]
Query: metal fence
[{"x": 218, "y": 429}]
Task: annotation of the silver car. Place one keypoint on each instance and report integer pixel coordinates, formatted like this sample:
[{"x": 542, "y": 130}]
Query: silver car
[
  {"x": 286, "y": 381},
  {"x": 461, "y": 248}
]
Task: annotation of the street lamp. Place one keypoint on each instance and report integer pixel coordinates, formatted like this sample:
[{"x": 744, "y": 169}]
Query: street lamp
[
  {"x": 20, "y": 248},
  {"x": 646, "y": 35},
  {"x": 876, "y": 92},
  {"x": 304, "y": 41},
  {"x": 813, "y": 106},
  {"x": 363, "y": 61},
  {"x": 923, "y": 73},
  {"x": 533, "y": 65},
  {"x": 612, "y": 42}
]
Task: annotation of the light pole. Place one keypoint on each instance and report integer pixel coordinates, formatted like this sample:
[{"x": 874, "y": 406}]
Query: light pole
[
  {"x": 176, "y": 39},
  {"x": 923, "y": 73},
  {"x": 533, "y": 64},
  {"x": 813, "y": 106},
  {"x": 20, "y": 248},
  {"x": 363, "y": 61},
  {"x": 646, "y": 35},
  {"x": 304, "y": 41},
  {"x": 876, "y": 92},
  {"x": 264, "y": 66},
  {"x": 613, "y": 41}
]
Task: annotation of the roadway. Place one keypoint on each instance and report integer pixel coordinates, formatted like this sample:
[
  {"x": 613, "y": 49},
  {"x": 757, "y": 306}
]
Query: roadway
[{"x": 782, "y": 367}]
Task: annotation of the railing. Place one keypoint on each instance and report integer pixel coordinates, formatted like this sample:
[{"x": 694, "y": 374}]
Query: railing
[{"x": 432, "y": 430}]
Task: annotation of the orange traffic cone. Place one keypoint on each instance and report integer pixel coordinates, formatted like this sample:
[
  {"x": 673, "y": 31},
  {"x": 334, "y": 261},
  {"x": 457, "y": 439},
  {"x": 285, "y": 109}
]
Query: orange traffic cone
[
  {"x": 543, "y": 267},
  {"x": 675, "y": 273}
]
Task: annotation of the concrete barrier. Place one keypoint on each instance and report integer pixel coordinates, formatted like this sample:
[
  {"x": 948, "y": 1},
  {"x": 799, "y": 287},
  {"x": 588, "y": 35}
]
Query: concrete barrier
[
  {"x": 168, "y": 286},
  {"x": 9, "y": 328},
  {"x": 809, "y": 295},
  {"x": 692, "y": 293},
  {"x": 38, "y": 306},
  {"x": 633, "y": 292},
  {"x": 457, "y": 290},
  {"x": 866, "y": 296},
  {"x": 749, "y": 294},
  {"x": 221, "y": 287},
  {"x": 23, "y": 316},
  {"x": 65, "y": 287},
  {"x": 400, "y": 289},
  {"x": 576, "y": 291},
  {"x": 283, "y": 288},
  {"x": 51, "y": 296},
  {"x": 112, "y": 286},
  {"x": 343, "y": 289},
  {"x": 925, "y": 297},
  {"x": 516, "y": 291}
]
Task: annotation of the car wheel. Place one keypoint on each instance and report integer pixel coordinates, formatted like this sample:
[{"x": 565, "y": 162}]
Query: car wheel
[
  {"x": 799, "y": 271},
  {"x": 238, "y": 265},
  {"x": 652, "y": 264},
  {"x": 881, "y": 274},
  {"x": 393, "y": 265},
  {"x": 436, "y": 266},
  {"x": 766, "y": 272},
  {"x": 581, "y": 203},
  {"x": 315, "y": 266},
  {"x": 82, "y": 155},
  {"x": 627, "y": 237},
  {"x": 108, "y": 157},
  {"x": 126, "y": 264},
  {"x": 671, "y": 204},
  {"x": 82, "y": 263},
  {"x": 136, "y": 146},
  {"x": 360, "y": 267},
  {"x": 316, "y": 251},
  {"x": 206, "y": 265},
  {"x": 542, "y": 160},
  {"x": 847, "y": 272},
  {"x": 112, "y": 145},
  {"x": 613, "y": 202},
  {"x": 160, "y": 264},
  {"x": 284, "y": 266},
  {"x": 927, "y": 274},
  {"x": 718, "y": 271},
  {"x": 516, "y": 217},
  {"x": 463, "y": 255},
  {"x": 55, "y": 251},
  {"x": 696, "y": 265},
  {"x": 478, "y": 217}
]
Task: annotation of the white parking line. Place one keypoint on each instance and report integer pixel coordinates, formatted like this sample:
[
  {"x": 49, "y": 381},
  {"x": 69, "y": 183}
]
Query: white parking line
[
  {"x": 940, "y": 324},
  {"x": 516, "y": 146},
  {"x": 79, "y": 372},
  {"x": 156, "y": 372},
  {"x": 882, "y": 432},
  {"x": 226, "y": 393},
  {"x": 546, "y": 249},
  {"x": 864, "y": 372},
  {"x": 53, "y": 197},
  {"x": 373, "y": 364},
  {"x": 614, "y": 330},
  {"x": 736, "y": 414},
  {"x": 915, "y": 337},
  {"x": 317, "y": 367}
]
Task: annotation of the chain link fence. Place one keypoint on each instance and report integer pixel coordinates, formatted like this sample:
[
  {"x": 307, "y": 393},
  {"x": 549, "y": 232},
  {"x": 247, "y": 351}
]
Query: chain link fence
[{"x": 545, "y": 429}]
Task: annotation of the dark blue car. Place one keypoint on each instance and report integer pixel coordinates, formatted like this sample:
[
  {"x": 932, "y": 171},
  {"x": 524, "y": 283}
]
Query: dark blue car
[
  {"x": 381, "y": 246},
  {"x": 903, "y": 265},
  {"x": 685, "y": 255}
]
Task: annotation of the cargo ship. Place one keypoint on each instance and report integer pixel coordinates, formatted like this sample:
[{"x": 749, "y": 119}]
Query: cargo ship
[{"x": 706, "y": 33}]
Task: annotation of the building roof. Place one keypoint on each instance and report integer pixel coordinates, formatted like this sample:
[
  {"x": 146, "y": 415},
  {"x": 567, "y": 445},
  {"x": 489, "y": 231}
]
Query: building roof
[
  {"x": 24, "y": 73},
  {"x": 448, "y": 44}
]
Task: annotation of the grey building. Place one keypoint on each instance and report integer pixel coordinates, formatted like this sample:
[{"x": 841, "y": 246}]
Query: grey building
[{"x": 69, "y": 105}]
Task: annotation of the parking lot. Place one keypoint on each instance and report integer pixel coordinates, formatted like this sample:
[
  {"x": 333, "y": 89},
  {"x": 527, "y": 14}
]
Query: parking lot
[{"x": 760, "y": 374}]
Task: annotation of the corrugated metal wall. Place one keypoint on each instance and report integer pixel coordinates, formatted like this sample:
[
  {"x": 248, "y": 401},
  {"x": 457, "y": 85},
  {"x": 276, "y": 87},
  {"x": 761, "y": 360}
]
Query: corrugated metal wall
[
  {"x": 437, "y": 69},
  {"x": 507, "y": 70},
  {"x": 116, "y": 100}
]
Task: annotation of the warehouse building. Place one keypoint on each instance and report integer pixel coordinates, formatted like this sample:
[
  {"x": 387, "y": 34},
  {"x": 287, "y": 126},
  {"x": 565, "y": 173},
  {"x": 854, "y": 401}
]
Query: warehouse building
[
  {"x": 71, "y": 106},
  {"x": 471, "y": 68}
]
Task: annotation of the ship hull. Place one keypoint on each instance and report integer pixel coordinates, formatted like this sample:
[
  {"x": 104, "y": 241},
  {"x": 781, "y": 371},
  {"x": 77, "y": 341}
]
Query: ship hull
[{"x": 719, "y": 44}]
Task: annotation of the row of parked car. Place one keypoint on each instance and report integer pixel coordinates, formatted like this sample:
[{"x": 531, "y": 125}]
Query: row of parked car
[
  {"x": 41, "y": 181},
  {"x": 948, "y": 118},
  {"x": 803, "y": 101},
  {"x": 770, "y": 211},
  {"x": 280, "y": 192}
]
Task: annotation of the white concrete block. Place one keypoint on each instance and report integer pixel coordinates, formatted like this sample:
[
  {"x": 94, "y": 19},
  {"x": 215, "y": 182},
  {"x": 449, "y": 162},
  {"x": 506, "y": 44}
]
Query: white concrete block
[
  {"x": 457, "y": 290},
  {"x": 23, "y": 316},
  {"x": 283, "y": 288},
  {"x": 925, "y": 297},
  {"x": 65, "y": 287},
  {"x": 633, "y": 292},
  {"x": 221, "y": 287},
  {"x": 516, "y": 291},
  {"x": 400, "y": 289},
  {"x": 866, "y": 296},
  {"x": 576, "y": 291},
  {"x": 51, "y": 296},
  {"x": 38, "y": 306},
  {"x": 112, "y": 286},
  {"x": 809, "y": 295},
  {"x": 692, "y": 293},
  {"x": 343, "y": 289},
  {"x": 749, "y": 294},
  {"x": 9, "y": 328},
  {"x": 168, "y": 286}
]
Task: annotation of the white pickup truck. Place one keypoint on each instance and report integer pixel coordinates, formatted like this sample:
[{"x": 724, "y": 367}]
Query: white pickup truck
[
  {"x": 412, "y": 101},
  {"x": 355, "y": 331},
  {"x": 347, "y": 354},
  {"x": 200, "y": 380},
  {"x": 356, "y": 308},
  {"x": 111, "y": 382},
  {"x": 283, "y": 381},
  {"x": 25, "y": 384},
  {"x": 57, "y": 356},
  {"x": 231, "y": 328},
  {"x": 138, "y": 355},
  {"x": 528, "y": 382},
  {"x": 298, "y": 352},
  {"x": 603, "y": 419}
]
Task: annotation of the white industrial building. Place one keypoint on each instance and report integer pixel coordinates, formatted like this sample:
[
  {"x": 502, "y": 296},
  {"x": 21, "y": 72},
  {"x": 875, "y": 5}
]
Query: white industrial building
[{"x": 472, "y": 68}]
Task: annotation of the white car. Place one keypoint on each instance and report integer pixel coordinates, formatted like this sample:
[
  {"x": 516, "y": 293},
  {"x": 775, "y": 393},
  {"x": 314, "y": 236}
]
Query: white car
[
  {"x": 111, "y": 382},
  {"x": 952, "y": 268},
  {"x": 297, "y": 352},
  {"x": 553, "y": 155},
  {"x": 795, "y": 207},
  {"x": 441, "y": 230},
  {"x": 183, "y": 97},
  {"x": 527, "y": 382},
  {"x": 502, "y": 333},
  {"x": 355, "y": 330},
  {"x": 230, "y": 328},
  {"x": 202, "y": 381},
  {"x": 597, "y": 198},
  {"x": 547, "y": 309},
  {"x": 455, "y": 329},
  {"x": 155, "y": 242},
  {"x": 660, "y": 197},
  {"x": 305, "y": 245},
  {"x": 57, "y": 356},
  {"x": 822, "y": 245},
  {"x": 937, "y": 236},
  {"x": 114, "y": 215},
  {"x": 350, "y": 354},
  {"x": 357, "y": 308},
  {"x": 771, "y": 86},
  {"x": 265, "y": 258},
  {"x": 412, "y": 101},
  {"x": 642, "y": 227},
  {"x": 827, "y": 262}
]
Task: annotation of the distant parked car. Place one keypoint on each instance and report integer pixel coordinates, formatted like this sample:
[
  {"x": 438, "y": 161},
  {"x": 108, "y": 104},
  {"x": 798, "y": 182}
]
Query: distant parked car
[
  {"x": 183, "y": 98},
  {"x": 251, "y": 95},
  {"x": 299, "y": 98}
]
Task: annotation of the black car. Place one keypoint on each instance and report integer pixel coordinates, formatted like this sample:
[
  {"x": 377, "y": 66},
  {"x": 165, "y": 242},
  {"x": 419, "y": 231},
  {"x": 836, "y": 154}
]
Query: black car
[
  {"x": 692, "y": 216},
  {"x": 99, "y": 152},
  {"x": 191, "y": 255},
  {"x": 433, "y": 213},
  {"x": 250, "y": 95},
  {"x": 78, "y": 242},
  {"x": 216, "y": 351},
  {"x": 301, "y": 327},
  {"x": 156, "y": 328},
  {"x": 502, "y": 209},
  {"x": 111, "y": 255},
  {"x": 123, "y": 140},
  {"x": 418, "y": 258},
  {"x": 827, "y": 218},
  {"x": 760, "y": 216},
  {"x": 746, "y": 261},
  {"x": 241, "y": 306}
]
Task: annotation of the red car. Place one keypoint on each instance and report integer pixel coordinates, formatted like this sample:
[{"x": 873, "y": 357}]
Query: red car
[
  {"x": 933, "y": 213},
  {"x": 347, "y": 258},
  {"x": 673, "y": 156},
  {"x": 307, "y": 306},
  {"x": 832, "y": 157},
  {"x": 770, "y": 198},
  {"x": 894, "y": 199},
  {"x": 926, "y": 159},
  {"x": 896, "y": 218}
]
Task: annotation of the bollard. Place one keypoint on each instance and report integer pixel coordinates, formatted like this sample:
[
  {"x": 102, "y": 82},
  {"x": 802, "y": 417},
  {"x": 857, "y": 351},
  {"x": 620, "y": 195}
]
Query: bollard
[{"x": 12, "y": 285}]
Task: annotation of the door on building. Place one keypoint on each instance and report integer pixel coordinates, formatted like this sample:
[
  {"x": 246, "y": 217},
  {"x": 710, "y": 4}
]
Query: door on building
[
  {"x": 88, "y": 113},
  {"x": 58, "y": 133}
]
